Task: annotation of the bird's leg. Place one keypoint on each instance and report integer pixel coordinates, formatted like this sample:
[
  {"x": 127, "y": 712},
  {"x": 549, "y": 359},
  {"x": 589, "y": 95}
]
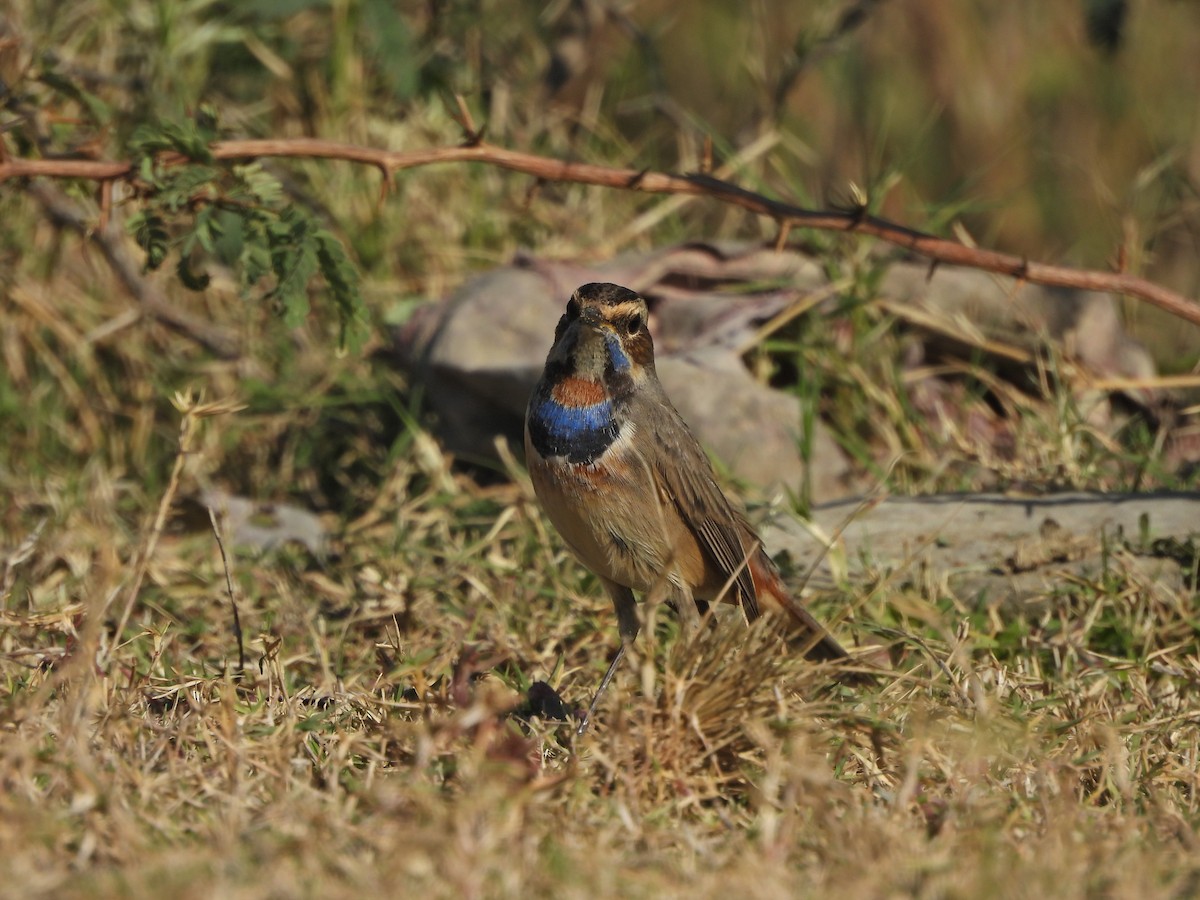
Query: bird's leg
[
  {"x": 703, "y": 608},
  {"x": 690, "y": 611},
  {"x": 628, "y": 625},
  {"x": 612, "y": 668}
]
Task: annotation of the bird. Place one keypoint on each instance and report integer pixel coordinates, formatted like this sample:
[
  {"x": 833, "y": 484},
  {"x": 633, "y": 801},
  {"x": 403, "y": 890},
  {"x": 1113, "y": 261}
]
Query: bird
[{"x": 631, "y": 491}]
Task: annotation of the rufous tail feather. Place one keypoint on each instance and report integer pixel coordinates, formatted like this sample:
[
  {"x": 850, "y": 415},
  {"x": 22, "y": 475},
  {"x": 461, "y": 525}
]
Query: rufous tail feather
[{"x": 807, "y": 633}]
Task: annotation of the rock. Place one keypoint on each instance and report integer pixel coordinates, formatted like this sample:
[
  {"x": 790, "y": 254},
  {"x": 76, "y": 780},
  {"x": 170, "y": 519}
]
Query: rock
[{"x": 993, "y": 548}]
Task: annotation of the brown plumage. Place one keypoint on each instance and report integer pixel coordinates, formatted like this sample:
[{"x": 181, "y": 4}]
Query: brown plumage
[{"x": 628, "y": 486}]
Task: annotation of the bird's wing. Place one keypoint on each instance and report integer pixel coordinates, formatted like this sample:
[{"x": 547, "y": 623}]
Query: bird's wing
[{"x": 686, "y": 477}]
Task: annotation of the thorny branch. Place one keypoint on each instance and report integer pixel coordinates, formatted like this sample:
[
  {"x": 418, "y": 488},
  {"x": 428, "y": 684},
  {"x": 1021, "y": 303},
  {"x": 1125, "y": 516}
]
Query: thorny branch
[{"x": 936, "y": 249}]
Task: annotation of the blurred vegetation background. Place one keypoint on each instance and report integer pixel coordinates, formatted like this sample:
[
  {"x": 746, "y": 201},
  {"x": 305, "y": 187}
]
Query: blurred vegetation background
[{"x": 1064, "y": 131}]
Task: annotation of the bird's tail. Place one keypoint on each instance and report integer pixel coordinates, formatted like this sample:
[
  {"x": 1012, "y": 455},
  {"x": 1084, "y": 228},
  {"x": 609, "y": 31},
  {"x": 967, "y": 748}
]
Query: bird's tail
[{"x": 806, "y": 633}]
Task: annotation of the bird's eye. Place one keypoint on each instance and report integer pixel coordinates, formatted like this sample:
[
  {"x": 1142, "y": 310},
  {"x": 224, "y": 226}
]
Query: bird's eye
[{"x": 634, "y": 325}]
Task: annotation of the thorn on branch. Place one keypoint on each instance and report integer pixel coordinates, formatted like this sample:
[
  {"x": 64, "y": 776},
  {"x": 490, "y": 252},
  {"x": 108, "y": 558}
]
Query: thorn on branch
[
  {"x": 1121, "y": 264},
  {"x": 636, "y": 180},
  {"x": 856, "y": 210},
  {"x": 475, "y": 138},
  {"x": 472, "y": 136},
  {"x": 785, "y": 229},
  {"x": 855, "y": 217},
  {"x": 387, "y": 185}
]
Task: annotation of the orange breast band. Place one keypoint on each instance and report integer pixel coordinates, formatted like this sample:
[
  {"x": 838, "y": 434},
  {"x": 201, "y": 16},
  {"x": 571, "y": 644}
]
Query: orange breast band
[{"x": 578, "y": 392}]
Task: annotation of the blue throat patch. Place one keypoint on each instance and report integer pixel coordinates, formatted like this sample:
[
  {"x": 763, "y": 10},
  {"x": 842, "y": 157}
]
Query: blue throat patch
[
  {"x": 580, "y": 433},
  {"x": 616, "y": 354}
]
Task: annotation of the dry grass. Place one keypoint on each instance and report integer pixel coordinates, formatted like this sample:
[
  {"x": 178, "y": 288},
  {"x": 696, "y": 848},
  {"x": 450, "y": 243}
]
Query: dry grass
[{"x": 376, "y": 742}]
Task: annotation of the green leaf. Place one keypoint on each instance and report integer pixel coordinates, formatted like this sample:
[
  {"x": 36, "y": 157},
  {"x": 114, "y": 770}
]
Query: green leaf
[
  {"x": 201, "y": 233},
  {"x": 180, "y": 186},
  {"x": 342, "y": 277},
  {"x": 190, "y": 139},
  {"x": 99, "y": 111},
  {"x": 150, "y": 232},
  {"x": 294, "y": 261},
  {"x": 187, "y": 137},
  {"x": 229, "y": 242},
  {"x": 148, "y": 139},
  {"x": 255, "y": 262},
  {"x": 239, "y": 216},
  {"x": 256, "y": 186},
  {"x": 192, "y": 280}
]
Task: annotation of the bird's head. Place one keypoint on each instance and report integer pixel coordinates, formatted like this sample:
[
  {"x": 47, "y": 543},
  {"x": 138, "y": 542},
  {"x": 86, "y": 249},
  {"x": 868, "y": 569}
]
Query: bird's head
[{"x": 603, "y": 336}]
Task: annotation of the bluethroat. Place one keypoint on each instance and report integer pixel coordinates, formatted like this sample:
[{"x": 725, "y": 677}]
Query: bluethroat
[{"x": 629, "y": 488}]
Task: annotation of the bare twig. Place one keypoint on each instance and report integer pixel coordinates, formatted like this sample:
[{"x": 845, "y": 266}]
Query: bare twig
[
  {"x": 192, "y": 409},
  {"x": 237, "y": 621},
  {"x": 941, "y": 250},
  {"x": 187, "y": 427}
]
